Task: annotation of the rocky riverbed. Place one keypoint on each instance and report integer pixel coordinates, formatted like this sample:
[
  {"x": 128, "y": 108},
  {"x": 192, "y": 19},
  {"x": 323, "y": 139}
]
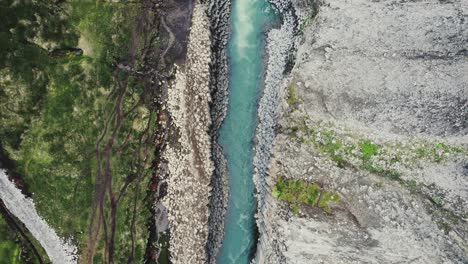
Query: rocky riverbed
[
  {"x": 375, "y": 110},
  {"x": 189, "y": 157},
  {"x": 366, "y": 99}
]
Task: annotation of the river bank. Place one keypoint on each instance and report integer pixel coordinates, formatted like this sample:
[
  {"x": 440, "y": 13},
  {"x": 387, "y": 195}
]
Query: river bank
[
  {"x": 279, "y": 48},
  {"x": 220, "y": 12},
  {"x": 220, "y": 91},
  {"x": 188, "y": 156}
]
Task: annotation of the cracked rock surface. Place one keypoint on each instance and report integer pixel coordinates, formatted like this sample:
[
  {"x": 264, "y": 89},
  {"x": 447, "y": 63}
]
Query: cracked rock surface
[{"x": 393, "y": 73}]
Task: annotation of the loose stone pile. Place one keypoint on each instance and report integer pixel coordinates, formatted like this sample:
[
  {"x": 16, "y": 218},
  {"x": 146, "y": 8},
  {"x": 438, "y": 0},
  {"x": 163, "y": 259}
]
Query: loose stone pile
[{"x": 189, "y": 163}]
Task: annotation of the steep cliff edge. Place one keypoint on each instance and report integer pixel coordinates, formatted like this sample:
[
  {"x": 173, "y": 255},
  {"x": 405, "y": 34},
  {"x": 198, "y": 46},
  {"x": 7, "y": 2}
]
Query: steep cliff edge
[{"x": 370, "y": 160}]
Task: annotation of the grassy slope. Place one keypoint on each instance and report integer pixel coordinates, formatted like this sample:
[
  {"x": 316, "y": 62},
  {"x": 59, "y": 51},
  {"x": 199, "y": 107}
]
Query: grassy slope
[
  {"x": 16, "y": 246},
  {"x": 61, "y": 111},
  {"x": 9, "y": 250}
]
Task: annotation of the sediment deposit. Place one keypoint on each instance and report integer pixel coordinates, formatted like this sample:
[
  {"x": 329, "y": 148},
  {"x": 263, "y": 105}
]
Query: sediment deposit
[{"x": 189, "y": 163}]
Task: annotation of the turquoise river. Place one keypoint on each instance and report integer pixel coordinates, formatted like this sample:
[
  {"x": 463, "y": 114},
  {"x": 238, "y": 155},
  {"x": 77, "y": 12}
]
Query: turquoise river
[{"x": 249, "y": 19}]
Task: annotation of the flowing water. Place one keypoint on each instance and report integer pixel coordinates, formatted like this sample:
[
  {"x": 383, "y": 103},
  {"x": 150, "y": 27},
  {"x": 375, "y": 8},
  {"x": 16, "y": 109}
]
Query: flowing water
[{"x": 249, "y": 19}]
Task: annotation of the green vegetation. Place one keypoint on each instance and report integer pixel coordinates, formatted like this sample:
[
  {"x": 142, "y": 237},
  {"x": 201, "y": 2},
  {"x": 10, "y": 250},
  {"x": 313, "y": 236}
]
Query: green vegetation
[
  {"x": 72, "y": 121},
  {"x": 380, "y": 158},
  {"x": 14, "y": 249},
  {"x": 297, "y": 192},
  {"x": 368, "y": 149},
  {"x": 328, "y": 143},
  {"x": 385, "y": 159},
  {"x": 308, "y": 19},
  {"x": 9, "y": 252},
  {"x": 292, "y": 99},
  {"x": 9, "y": 248},
  {"x": 437, "y": 200},
  {"x": 163, "y": 242},
  {"x": 446, "y": 219}
]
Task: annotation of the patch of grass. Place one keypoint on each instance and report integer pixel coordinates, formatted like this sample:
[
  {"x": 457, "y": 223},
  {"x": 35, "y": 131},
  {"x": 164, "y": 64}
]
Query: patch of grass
[
  {"x": 297, "y": 192},
  {"x": 368, "y": 149},
  {"x": 444, "y": 226},
  {"x": 9, "y": 245},
  {"x": 373, "y": 168},
  {"x": 440, "y": 151},
  {"x": 55, "y": 107},
  {"x": 13, "y": 248},
  {"x": 377, "y": 169},
  {"x": 292, "y": 98},
  {"x": 308, "y": 19},
  {"x": 328, "y": 197},
  {"x": 325, "y": 141},
  {"x": 364, "y": 153},
  {"x": 393, "y": 175},
  {"x": 329, "y": 143},
  {"x": 412, "y": 186},
  {"x": 164, "y": 246},
  {"x": 9, "y": 253},
  {"x": 446, "y": 219},
  {"x": 437, "y": 200},
  {"x": 383, "y": 159}
]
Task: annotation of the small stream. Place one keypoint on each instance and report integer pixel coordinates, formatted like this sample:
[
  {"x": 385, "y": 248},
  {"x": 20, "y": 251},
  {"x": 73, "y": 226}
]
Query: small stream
[{"x": 249, "y": 20}]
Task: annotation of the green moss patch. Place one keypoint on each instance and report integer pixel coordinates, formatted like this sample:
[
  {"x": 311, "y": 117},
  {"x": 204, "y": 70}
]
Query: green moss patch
[
  {"x": 359, "y": 152},
  {"x": 297, "y": 192},
  {"x": 14, "y": 249},
  {"x": 292, "y": 98},
  {"x": 368, "y": 149}
]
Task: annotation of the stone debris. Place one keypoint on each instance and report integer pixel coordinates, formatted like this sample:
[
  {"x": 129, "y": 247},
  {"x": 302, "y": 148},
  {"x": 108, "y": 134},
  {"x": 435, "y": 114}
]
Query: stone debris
[{"x": 189, "y": 163}]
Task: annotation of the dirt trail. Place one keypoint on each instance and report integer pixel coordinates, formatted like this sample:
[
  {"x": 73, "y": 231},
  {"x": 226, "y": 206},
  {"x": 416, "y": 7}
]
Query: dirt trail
[{"x": 105, "y": 148}]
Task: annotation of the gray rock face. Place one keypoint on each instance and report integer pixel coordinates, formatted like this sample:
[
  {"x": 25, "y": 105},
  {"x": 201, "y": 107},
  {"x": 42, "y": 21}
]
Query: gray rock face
[
  {"x": 280, "y": 42},
  {"x": 397, "y": 65},
  {"x": 389, "y": 72},
  {"x": 219, "y": 14}
]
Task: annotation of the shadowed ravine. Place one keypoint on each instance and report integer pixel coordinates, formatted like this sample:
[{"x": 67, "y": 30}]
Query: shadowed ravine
[{"x": 245, "y": 48}]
